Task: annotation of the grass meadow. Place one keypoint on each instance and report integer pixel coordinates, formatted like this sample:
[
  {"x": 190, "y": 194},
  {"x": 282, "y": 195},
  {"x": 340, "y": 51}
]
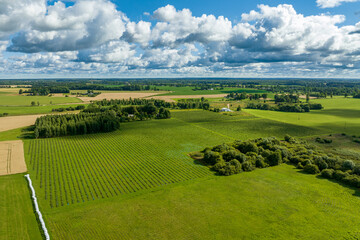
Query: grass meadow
[
  {"x": 18, "y": 100},
  {"x": 17, "y": 218}
]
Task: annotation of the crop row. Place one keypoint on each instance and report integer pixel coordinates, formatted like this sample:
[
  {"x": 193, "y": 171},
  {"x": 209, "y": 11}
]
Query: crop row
[{"x": 82, "y": 168}]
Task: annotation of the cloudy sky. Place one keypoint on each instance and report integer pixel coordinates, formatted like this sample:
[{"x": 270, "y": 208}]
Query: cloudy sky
[{"x": 179, "y": 38}]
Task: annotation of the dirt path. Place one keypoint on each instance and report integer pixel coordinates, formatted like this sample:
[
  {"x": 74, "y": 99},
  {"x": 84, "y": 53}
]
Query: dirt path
[
  {"x": 12, "y": 159},
  {"x": 170, "y": 98},
  {"x": 12, "y": 122}
]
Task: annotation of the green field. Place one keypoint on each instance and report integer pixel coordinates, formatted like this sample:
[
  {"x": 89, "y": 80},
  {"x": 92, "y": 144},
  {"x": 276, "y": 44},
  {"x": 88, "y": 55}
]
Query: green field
[
  {"x": 339, "y": 115},
  {"x": 189, "y": 91},
  {"x": 29, "y": 110},
  {"x": 272, "y": 203},
  {"x": 17, "y": 218},
  {"x": 17, "y": 100},
  {"x": 139, "y": 183}
]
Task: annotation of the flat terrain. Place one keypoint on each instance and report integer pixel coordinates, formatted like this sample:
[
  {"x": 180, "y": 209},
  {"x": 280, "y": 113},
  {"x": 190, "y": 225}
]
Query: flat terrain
[
  {"x": 17, "y": 218},
  {"x": 271, "y": 203},
  {"x": 170, "y": 98},
  {"x": 13, "y": 122},
  {"x": 12, "y": 157},
  {"x": 19, "y": 100},
  {"x": 119, "y": 95},
  {"x": 189, "y": 91},
  {"x": 340, "y": 115}
]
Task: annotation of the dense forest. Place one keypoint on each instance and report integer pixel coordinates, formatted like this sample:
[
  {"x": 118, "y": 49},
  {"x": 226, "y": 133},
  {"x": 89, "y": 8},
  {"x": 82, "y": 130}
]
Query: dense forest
[{"x": 239, "y": 156}]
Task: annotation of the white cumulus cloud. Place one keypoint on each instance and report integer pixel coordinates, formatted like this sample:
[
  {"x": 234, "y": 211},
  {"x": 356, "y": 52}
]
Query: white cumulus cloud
[{"x": 332, "y": 3}]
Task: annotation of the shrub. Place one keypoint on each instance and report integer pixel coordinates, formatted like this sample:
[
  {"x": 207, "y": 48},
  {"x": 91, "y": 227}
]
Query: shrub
[
  {"x": 219, "y": 165},
  {"x": 222, "y": 148},
  {"x": 321, "y": 164},
  {"x": 247, "y": 166},
  {"x": 311, "y": 168},
  {"x": 348, "y": 165},
  {"x": 237, "y": 165},
  {"x": 229, "y": 155},
  {"x": 352, "y": 180},
  {"x": 299, "y": 166},
  {"x": 339, "y": 175},
  {"x": 275, "y": 158},
  {"x": 259, "y": 163},
  {"x": 356, "y": 170},
  {"x": 327, "y": 173},
  {"x": 211, "y": 157},
  {"x": 246, "y": 147}
]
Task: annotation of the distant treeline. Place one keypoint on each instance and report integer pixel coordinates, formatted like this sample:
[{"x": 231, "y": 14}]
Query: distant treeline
[
  {"x": 46, "y": 90},
  {"x": 181, "y": 104},
  {"x": 286, "y": 107},
  {"x": 228, "y": 159},
  {"x": 244, "y": 95}
]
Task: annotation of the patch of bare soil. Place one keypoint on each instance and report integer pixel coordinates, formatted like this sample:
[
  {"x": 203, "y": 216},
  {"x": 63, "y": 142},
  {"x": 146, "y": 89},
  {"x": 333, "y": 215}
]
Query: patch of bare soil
[
  {"x": 8, "y": 123},
  {"x": 304, "y": 97},
  {"x": 171, "y": 98},
  {"x": 12, "y": 159},
  {"x": 120, "y": 95}
]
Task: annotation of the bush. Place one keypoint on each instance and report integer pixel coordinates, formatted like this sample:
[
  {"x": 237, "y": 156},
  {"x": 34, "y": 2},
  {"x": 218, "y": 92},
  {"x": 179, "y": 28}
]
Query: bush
[
  {"x": 211, "y": 157},
  {"x": 299, "y": 166},
  {"x": 352, "y": 180},
  {"x": 311, "y": 168},
  {"x": 348, "y": 165},
  {"x": 327, "y": 173},
  {"x": 246, "y": 147},
  {"x": 275, "y": 158},
  {"x": 259, "y": 163},
  {"x": 247, "y": 166},
  {"x": 356, "y": 170},
  {"x": 340, "y": 175}
]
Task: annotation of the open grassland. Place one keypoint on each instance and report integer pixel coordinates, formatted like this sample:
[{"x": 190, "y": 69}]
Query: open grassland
[
  {"x": 272, "y": 203},
  {"x": 189, "y": 91},
  {"x": 9, "y": 100},
  {"x": 340, "y": 115},
  {"x": 30, "y": 110},
  {"x": 17, "y": 218}
]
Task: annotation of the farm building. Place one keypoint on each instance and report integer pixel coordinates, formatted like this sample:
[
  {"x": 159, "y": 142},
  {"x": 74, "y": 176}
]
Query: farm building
[{"x": 225, "y": 110}]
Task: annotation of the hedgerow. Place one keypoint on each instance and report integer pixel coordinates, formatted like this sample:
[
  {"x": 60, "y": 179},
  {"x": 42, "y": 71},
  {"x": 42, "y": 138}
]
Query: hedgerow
[{"x": 245, "y": 156}]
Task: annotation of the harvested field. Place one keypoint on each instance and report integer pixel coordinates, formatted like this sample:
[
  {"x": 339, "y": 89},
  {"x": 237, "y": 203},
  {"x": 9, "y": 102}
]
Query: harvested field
[
  {"x": 171, "y": 98},
  {"x": 12, "y": 157},
  {"x": 120, "y": 95},
  {"x": 8, "y": 123}
]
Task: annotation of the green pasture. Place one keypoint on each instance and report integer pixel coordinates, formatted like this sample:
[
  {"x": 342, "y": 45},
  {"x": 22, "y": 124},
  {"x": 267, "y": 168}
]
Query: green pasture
[
  {"x": 189, "y": 91},
  {"x": 340, "y": 115},
  {"x": 271, "y": 203},
  {"x": 17, "y": 218},
  {"x": 30, "y": 110},
  {"x": 19, "y": 100}
]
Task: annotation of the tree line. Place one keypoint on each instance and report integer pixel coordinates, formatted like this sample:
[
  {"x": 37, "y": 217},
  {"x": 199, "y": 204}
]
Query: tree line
[{"x": 94, "y": 119}]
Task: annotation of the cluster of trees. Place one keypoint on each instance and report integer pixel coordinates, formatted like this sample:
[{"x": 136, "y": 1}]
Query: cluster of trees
[
  {"x": 95, "y": 118},
  {"x": 357, "y": 95},
  {"x": 3, "y": 114},
  {"x": 79, "y": 107},
  {"x": 239, "y": 156},
  {"x": 286, "y": 98},
  {"x": 75, "y": 124},
  {"x": 45, "y": 90},
  {"x": 89, "y": 93},
  {"x": 244, "y": 95},
  {"x": 285, "y": 107},
  {"x": 323, "y": 140},
  {"x": 200, "y": 103}
]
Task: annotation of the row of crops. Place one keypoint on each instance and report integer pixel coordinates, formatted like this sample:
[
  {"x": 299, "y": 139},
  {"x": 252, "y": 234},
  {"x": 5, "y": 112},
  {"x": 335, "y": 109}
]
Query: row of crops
[{"x": 83, "y": 168}]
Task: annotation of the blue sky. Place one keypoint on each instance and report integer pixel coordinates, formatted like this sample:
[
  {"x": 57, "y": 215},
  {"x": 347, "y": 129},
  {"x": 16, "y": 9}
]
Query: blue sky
[
  {"x": 233, "y": 8},
  {"x": 188, "y": 38}
]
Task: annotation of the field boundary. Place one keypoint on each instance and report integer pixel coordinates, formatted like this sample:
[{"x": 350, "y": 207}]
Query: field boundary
[{"x": 37, "y": 210}]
